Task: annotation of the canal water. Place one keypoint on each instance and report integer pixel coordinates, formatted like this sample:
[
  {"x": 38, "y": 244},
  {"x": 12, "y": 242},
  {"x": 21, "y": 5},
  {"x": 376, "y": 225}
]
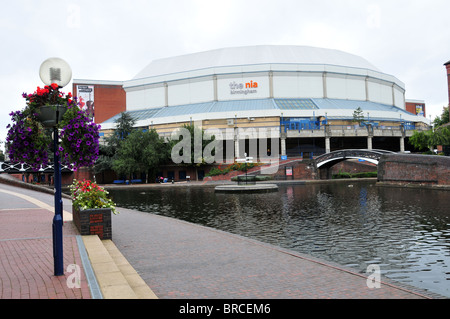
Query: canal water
[{"x": 405, "y": 231}]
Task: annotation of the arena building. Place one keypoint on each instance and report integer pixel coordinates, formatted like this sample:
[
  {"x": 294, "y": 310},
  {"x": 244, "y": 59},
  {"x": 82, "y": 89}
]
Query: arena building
[{"x": 302, "y": 98}]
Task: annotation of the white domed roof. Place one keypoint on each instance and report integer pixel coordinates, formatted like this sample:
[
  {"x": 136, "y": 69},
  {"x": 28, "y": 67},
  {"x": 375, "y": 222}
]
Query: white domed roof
[{"x": 252, "y": 55}]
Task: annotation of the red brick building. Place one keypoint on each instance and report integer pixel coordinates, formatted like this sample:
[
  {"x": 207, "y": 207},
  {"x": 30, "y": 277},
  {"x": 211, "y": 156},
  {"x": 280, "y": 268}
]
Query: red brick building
[
  {"x": 103, "y": 99},
  {"x": 447, "y": 66},
  {"x": 416, "y": 107}
]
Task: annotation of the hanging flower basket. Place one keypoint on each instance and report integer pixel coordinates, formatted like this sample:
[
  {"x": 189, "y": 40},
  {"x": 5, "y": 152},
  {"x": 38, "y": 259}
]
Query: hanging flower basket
[
  {"x": 51, "y": 115},
  {"x": 28, "y": 140}
]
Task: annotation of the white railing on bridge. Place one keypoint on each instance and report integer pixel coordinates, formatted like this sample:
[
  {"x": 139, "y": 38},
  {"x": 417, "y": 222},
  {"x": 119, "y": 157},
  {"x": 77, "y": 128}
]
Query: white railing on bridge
[{"x": 8, "y": 167}]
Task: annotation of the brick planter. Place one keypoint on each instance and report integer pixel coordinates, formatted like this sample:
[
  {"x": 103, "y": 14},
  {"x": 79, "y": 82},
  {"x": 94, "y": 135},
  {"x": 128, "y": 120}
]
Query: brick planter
[{"x": 93, "y": 222}]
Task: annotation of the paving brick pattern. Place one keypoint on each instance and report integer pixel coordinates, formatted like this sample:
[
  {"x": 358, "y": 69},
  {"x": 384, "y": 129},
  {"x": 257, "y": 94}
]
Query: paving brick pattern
[
  {"x": 176, "y": 259},
  {"x": 182, "y": 260},
  {"x": 26, "y": 251}
]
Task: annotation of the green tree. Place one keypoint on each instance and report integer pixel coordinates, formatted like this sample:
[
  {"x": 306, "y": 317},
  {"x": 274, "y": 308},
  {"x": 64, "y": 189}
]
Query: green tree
[
  {"x": 443, "y": 119},
  {"x": 421, "y": 140},
  {"x": 194, "y": 147},
  {"x": 140, "y": 152},
  {"x": 107, "y": 151},
  {"x": 358, "y": 115},
  {"x": 124, "y": 125},
  {"x": 430, "y": 139}
]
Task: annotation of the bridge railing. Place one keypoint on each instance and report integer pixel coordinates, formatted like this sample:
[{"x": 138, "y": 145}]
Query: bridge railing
[
  {"x": 17, "y": 168},
  {"x": 371, "y": 155}
]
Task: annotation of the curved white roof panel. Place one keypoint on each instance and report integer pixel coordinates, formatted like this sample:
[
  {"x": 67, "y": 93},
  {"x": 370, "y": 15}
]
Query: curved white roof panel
[{"x": 253, "y": 55}]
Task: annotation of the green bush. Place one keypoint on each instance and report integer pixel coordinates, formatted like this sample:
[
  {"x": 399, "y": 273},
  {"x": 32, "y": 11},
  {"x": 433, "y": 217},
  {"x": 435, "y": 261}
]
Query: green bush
[{"x": 232, "y": 167}]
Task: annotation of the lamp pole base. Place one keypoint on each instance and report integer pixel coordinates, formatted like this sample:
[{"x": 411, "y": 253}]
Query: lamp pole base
[{"x": 58, "y": 245}]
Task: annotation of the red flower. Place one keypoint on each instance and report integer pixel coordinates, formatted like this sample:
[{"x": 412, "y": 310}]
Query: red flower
[{"x": 54, "y": 86}]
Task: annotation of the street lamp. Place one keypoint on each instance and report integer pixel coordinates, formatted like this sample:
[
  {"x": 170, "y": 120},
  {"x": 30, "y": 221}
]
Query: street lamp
[{"x": 56, "y": 70}]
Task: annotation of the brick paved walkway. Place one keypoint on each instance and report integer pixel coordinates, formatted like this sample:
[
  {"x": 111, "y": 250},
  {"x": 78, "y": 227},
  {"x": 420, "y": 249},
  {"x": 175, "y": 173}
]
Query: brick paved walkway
[
  {"x": 175, "y": 258},
  {"x": 182, "y": 260},
  {"x": 26, "y": 249}
]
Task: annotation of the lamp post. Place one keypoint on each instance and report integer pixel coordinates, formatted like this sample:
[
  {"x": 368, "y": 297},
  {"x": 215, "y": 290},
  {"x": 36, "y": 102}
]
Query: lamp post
[{"x": 55, "y": 70}]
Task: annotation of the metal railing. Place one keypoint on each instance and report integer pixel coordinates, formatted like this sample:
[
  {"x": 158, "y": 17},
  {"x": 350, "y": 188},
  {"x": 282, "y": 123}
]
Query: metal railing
[{"x": 246, "y": 180}]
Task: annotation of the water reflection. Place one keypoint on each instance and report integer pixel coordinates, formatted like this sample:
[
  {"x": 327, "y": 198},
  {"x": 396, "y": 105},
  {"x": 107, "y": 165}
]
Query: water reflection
[{"x": 405, "y": 231}]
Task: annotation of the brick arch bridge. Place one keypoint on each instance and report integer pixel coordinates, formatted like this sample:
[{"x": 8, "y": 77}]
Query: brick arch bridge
[{"x": 330, "y": 159}]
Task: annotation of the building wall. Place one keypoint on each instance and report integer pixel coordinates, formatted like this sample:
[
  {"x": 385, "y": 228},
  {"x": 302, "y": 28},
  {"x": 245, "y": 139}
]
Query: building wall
[
  {"x": 416, "y": 107},
  {"x": 109, "y": 99},
  {"x": 343, "y": 83},
  {"x": 447, "y": 65},
  {"x": 414, "y": 169}
]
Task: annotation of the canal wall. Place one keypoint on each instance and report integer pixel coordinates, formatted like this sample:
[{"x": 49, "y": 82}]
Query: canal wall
[{"x": 414, "y": 169}]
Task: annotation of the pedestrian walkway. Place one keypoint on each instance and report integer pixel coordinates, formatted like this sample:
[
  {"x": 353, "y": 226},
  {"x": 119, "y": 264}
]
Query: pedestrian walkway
[
  {"x": 26, "y": 249},
  {"x": 94, "y": 269},
  {"x": 183, "y": 260},
  {"x": 175, "y": 259}
]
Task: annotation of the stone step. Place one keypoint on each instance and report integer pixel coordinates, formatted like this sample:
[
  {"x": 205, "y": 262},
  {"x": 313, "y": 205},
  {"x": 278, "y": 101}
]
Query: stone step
[
  {"x": 116, "y": 278},
  {"x": 139, "y": 286}
]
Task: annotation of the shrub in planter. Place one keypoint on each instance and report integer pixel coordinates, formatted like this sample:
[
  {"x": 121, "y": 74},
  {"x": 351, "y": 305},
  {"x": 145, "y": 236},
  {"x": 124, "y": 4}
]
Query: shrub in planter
[{"x": 92, "y": 208}]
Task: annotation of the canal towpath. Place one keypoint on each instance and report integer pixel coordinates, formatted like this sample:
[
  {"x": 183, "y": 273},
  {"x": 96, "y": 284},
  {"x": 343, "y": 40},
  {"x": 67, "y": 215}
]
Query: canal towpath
[{"x": 179, "y": 260}]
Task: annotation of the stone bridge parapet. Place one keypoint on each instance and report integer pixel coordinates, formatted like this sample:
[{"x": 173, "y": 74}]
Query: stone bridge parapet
[
  {"x": 329, "y": 159},
  {"x": 414, "y": 169}
]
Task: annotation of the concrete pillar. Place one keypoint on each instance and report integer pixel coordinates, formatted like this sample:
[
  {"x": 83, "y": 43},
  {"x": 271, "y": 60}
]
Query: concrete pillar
[
  {"x": 402, "y": 145},
  {"x": 236, "y": 138},
  {"x": 236, "y": 147},
  {"x": 369, "y": 142},
  {"x": 367, "y": 88},
  {"x": 166, "y": 94},
  {"x": 215, "y": 87},
  {"x": 324, "y": 84},
  {"x": 393, "y": 94},
  {"x": 271, "y": 84},
  {"x": 327, "y": 145},
  {"x": 283, "y": 146}
]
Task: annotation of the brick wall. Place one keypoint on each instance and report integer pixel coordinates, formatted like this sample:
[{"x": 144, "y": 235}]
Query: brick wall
[
  {"x": 448, "y": 80},
  {"x": 353, "y": 167},
  {"x": 109, "y": 100},
  {"x": 301, "y": 170},
  {"x": 414, "y": 169},
  {"x": 93, "y": 222},
  {"x": 411, "y": 107}
]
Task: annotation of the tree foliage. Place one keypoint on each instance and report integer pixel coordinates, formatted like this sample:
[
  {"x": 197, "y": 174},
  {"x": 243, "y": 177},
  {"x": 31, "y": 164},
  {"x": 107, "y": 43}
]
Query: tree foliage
[
  {"x": 443, "y": 119},
  {"x": 140, "y": 152},
  {"x": 358, "y": 115},
  {"x": 107, "y": 151},
  {"x": 191, "y": 151},
  {"x": 429, "y": 139}
]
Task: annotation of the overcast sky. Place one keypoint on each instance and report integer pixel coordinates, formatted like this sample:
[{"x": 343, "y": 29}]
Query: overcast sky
[{"x": 114, "y": 40}]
